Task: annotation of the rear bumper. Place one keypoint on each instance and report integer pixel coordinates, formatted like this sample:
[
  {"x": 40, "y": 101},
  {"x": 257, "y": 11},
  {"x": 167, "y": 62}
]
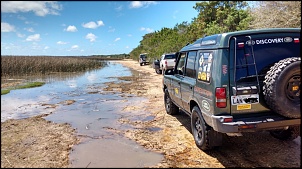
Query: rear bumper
[
  {"x": 253, "y": 124},
  {"x": 169, "y": 67}
]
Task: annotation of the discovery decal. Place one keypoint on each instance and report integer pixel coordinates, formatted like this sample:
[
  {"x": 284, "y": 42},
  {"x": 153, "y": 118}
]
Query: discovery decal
[{"x": 269, "y": 41}]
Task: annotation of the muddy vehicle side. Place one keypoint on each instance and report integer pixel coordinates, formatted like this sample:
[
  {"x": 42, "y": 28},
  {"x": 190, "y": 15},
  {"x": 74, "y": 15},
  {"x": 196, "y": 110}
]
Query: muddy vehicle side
[{"x": 236, "y": 82}]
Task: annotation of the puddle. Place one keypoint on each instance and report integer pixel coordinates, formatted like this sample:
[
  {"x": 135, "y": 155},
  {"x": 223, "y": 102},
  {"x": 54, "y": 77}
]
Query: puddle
[
  {"x": 115, "y": 153},
  {"x": 93, "y": 112}
]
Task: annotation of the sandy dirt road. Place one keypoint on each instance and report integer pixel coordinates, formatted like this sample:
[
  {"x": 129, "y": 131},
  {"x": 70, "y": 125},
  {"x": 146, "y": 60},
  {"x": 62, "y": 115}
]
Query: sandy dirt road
[{"x": 169, "y": 135}]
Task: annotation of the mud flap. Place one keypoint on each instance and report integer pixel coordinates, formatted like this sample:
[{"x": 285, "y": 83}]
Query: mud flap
[{"x": 215, "y": 138}]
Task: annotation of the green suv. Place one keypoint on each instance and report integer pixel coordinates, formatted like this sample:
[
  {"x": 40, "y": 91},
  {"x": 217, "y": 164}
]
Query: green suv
[
  {"x": 143, "y": 59},
  {"x": 236, "y": 82}
]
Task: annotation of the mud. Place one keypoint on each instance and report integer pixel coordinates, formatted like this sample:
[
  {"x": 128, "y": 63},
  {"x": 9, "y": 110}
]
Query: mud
[{"x": 35, "y": 142}]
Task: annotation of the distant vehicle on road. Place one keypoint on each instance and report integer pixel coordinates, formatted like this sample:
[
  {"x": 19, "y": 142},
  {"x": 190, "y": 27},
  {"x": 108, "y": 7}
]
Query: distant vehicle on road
[{"x": 143, "y": 59}]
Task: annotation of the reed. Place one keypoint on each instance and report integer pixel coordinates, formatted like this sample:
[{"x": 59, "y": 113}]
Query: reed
[{"x": 29, "y": 65}]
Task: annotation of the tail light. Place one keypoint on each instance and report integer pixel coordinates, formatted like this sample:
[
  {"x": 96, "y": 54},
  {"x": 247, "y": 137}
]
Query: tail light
[
  {"x": 220, "y": 95},
  {"x": 166, "y": 63}
]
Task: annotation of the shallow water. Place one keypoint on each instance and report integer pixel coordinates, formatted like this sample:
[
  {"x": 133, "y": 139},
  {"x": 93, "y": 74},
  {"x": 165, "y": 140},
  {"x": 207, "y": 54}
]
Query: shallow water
[{"x": 94, "y": 113}]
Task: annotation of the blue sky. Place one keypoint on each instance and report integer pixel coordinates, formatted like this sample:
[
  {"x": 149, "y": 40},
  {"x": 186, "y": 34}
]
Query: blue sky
[{"x": 84, "y": 28}]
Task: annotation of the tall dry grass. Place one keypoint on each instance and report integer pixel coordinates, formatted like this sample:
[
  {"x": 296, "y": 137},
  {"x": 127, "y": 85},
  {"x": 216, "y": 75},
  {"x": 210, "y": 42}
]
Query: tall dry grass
[{"x": 28, "y": 65}]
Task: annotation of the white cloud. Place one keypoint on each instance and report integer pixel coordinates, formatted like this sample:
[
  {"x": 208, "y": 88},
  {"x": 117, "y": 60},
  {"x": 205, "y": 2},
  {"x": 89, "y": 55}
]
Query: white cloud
[
  {"x": 21, "y": 17},
  {"x": 46, "y": 47},
  {"x": 71, "y": 28},
  {"x": 91, "y": 37},
  {"x": 20, "y": 35},
  {"x": 74, "y": 47},
  {"x": 93, "y": 25},
  {"x": 100, "y": 23},
  {"x": 127, "y": 47},
  {"x": 111, "y": 29},
  {"x": 6, "y": 27},
  {"x": 27, "y": 22},
  {"x": 129, "y": 35},
  {"x": 29, "y": 29},
  {"x": 40, "y": 8},
  {"x": 146, "y": 29},
  {"x": 117, "y": 39},
  {"x": 36, "y": 46},
  {"x": 139, "y": 4},
  {"x": 61, "y": 43},
  {"x": 35, "y": 37}
]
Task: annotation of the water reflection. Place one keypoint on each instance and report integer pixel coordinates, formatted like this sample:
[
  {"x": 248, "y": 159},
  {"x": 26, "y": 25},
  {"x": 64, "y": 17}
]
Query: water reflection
[
  {"x": 79, "y": 99},
  {"x": 60, "y": 86}
]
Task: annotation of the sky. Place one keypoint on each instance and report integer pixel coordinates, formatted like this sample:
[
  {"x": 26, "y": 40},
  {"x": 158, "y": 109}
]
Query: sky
[{"x": 85, "y": 28}]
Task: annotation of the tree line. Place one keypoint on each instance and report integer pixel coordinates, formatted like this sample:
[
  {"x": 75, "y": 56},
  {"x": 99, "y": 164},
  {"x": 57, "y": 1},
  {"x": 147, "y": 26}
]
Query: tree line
[{"x": 219, "y": 17}]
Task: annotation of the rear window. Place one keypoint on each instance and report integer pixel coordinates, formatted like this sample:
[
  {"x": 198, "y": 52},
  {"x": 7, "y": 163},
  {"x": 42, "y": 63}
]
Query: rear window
[
  {"x": 170, "y": 56},
  {"x": 143, "y": 56},
  {"x": 267, "y": 50}
]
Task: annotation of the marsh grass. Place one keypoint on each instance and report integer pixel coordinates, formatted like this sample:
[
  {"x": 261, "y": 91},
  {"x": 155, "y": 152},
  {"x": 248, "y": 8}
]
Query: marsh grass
[
  {"x": 5, "y": 91},
  {"x": 24, "y": 86},
  {"x": 29, "y": 65}
]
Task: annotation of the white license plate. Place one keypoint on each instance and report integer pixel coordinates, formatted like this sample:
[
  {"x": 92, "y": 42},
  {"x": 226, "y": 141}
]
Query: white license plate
[{"x": 245, "y": 99}]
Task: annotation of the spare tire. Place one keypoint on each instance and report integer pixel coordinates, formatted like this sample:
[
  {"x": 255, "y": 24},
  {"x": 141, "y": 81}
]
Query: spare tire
[{"x": 281, "y": 87}]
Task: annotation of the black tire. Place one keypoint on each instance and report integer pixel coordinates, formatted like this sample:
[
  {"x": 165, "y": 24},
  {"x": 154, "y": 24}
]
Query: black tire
[
  {"x": 281, "y": 87},
  {"x": 200, "y": 130},
  {"x": 158, "y": 71},
  {"x": 287, "y": 135},
  {"x": 141, "y": 64},
  {"x": 171, "y": 108}
]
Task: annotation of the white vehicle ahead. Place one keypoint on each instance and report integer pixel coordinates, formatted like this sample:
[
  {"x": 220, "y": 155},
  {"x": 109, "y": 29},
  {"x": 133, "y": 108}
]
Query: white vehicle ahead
[{"x": 167, "y": 61}]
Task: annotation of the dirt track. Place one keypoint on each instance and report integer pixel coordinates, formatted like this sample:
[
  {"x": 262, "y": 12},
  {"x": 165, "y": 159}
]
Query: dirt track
[{"x": 24, "y": 145}]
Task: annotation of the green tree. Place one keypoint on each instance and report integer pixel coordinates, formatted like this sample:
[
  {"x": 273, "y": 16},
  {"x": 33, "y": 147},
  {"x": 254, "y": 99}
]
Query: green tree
[{"x": 221, "y": 16}]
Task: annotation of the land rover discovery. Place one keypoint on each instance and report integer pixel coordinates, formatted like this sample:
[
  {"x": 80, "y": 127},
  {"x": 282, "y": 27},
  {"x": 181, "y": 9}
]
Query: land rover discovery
[{"x": 236, "y": 82}]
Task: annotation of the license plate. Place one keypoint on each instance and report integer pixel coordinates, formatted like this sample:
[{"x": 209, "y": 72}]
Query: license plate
[{"x": 245, "y": 99}]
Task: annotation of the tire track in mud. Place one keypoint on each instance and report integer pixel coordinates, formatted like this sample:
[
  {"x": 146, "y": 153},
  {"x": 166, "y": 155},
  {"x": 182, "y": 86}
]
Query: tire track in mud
[{"x": 258, "y": 149}]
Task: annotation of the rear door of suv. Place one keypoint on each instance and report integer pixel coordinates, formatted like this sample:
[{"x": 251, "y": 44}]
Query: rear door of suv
[{"x": 266, "y": 49}]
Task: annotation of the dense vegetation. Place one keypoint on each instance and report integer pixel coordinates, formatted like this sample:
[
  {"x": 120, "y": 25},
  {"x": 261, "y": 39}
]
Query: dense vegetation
[{"x": 218, "y": 17}]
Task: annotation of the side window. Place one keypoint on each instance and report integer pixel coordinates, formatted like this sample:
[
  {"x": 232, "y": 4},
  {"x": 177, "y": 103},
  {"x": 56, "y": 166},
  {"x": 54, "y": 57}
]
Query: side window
[
  {"x": 204, "y": 66},
  {"x": 190, "y": 66},
  {"x": 181, "y": 64}
]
